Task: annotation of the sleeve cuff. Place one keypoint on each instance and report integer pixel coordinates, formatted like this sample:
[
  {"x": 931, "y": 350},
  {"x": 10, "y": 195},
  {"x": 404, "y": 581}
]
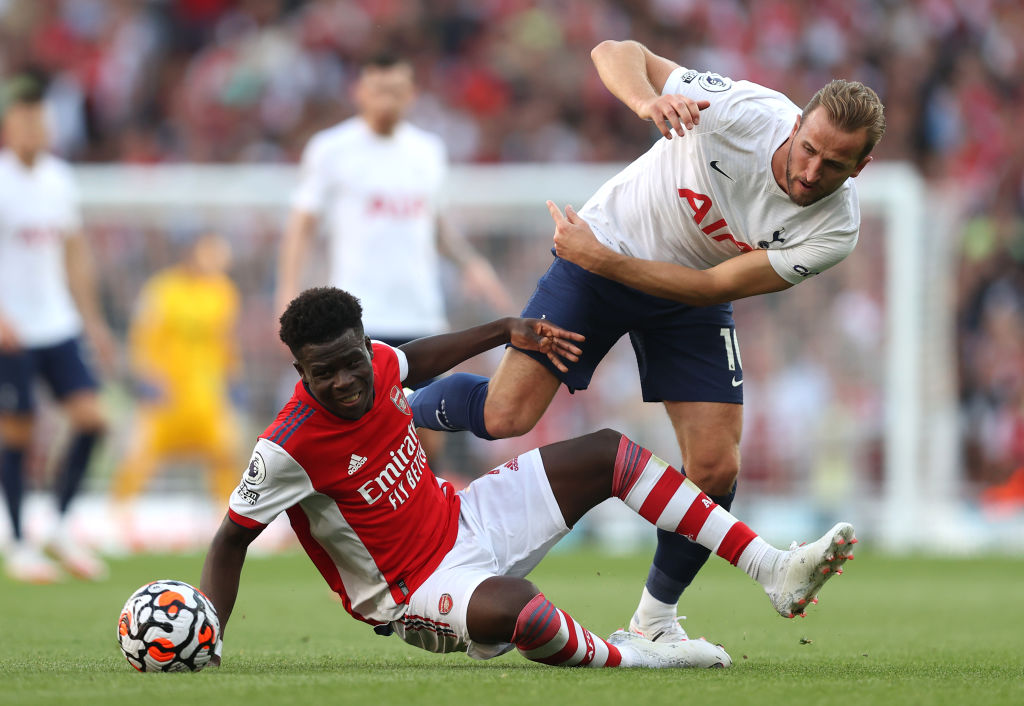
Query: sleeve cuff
[{"x": 244, "y": 521}]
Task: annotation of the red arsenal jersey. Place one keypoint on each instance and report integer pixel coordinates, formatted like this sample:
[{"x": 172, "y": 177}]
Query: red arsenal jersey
[{"x": 364, "y": 503}]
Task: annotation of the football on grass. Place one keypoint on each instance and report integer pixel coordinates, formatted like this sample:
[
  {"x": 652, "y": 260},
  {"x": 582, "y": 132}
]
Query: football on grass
[{"x": 168, "y": 626}]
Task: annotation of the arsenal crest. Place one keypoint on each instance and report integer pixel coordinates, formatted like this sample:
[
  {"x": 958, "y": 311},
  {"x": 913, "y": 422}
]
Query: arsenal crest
[
  {"x": 444, "y": 606},
  {"x": 398, "y": 397}
]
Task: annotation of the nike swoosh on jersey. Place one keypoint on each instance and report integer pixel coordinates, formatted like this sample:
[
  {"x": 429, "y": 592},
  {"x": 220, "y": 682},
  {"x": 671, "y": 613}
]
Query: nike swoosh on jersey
[
  {"x": 714, "y": 165},
  {"x": 736, "y": 383}
]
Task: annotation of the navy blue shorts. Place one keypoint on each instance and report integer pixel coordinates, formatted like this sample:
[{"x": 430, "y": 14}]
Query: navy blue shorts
[
  {"x": 62, "y": 367},
  {"x": 683, "y": 353}
]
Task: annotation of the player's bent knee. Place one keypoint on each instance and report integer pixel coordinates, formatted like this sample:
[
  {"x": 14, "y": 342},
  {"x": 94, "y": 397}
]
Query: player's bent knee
[
  {"x": 508, "y": 423},
  {"x": 495, "y": 607},
  {"x": 715, "y": 477}
]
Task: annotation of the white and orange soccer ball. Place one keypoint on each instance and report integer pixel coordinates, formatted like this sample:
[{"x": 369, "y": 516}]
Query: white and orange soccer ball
[{"x": 168, "y": 626}]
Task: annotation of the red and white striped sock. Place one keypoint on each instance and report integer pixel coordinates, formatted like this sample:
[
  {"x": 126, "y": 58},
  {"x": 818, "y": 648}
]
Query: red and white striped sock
[
  {"x": 548, "y": 635},
  {"x": 665, "y": 497}
]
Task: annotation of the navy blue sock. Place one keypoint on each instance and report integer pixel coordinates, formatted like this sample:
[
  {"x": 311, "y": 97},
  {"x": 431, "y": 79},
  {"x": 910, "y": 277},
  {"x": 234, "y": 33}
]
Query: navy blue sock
[
  {"x": 12, "y": 478},
  {"x": 453, "y": 403},
  {"x": 677, "y": 560},
  {"x": 75, "y": 465}
]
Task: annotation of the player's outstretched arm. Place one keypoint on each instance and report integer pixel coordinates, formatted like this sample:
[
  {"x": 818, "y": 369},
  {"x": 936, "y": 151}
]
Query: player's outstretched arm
[
  {"x": 429, "y": 357},
  {"x": 223, "y": 569},
  {"x": 742, "y": 276},
  {"x": 636, "y": 76}
]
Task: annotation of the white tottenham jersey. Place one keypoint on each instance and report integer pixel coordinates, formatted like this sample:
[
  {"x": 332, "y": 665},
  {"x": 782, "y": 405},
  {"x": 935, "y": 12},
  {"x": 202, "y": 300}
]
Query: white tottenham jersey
[
  {"x": 701, "y": 199},
  {"x": 380, "y": 196},
  {"x": 38, "y": 210}
]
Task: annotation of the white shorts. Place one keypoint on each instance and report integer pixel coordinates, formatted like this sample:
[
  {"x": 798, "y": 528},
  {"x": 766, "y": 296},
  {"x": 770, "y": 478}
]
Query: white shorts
[{"x": 508, "y": 521}]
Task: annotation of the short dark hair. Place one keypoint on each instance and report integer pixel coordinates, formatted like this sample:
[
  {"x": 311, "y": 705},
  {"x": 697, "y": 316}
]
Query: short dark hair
[
  {"x": 320, "y": 315},
  {"x": 383, "y": 60},
  {"x": 25, "y": 88}
]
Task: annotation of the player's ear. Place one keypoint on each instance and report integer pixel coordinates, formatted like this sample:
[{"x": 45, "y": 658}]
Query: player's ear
[
  {"x": 300, "y": 371},
  {"x": 863, "y": 163},
  {"x": 369, "y": 346},
  {"x": 796, "y": 125}
]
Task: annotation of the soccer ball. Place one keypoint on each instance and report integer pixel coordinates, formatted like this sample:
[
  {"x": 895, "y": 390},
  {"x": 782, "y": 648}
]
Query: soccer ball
[{"x": 168, "y": 626}]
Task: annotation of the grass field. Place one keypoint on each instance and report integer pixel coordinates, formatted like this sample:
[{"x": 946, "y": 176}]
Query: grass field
[{"x": 913, "y": 631}]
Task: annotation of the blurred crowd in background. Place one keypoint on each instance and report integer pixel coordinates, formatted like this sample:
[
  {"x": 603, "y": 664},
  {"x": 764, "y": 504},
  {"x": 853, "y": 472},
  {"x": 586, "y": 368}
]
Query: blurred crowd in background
[{"x": 249, "y": 81}]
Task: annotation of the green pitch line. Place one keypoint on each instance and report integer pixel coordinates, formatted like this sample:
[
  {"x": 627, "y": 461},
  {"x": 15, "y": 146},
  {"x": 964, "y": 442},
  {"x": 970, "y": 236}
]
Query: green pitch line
[{"x": 886, "y": 632}]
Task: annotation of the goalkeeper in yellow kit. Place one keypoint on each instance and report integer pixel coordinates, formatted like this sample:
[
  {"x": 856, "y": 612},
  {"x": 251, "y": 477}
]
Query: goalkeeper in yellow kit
[{"x": 185, "y": 365}]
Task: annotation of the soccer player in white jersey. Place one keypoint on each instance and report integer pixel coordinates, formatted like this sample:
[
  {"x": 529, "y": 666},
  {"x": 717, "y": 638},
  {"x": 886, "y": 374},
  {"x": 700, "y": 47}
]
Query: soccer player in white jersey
[
  {"x": 445, "y": 570},
  {"x": 752, "y": 195},
  {"x": 377, "y": 181},
  {"x": 47, "y": 297}
]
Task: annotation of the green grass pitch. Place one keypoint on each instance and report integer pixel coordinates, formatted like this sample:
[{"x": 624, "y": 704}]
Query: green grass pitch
[{"x": 889, "y": 631}]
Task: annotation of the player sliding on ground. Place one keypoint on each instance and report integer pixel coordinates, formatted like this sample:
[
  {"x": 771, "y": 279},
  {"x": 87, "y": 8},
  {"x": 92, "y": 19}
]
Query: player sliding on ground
[{"x": 444, "y": 569}]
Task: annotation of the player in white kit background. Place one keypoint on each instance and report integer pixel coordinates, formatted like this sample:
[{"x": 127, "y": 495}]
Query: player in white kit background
[
  {"x": 444, "y": 569},
  {"x": 752, "y": 195},
  {"x": 376, "y": 180},
  {"x": 47, "y": 300}
]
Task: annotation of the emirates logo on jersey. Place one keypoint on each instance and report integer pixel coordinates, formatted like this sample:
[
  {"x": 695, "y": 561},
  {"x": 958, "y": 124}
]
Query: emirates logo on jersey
[
  {"x": 398, "y": 397},
  {"x": 444, "y": 606}
]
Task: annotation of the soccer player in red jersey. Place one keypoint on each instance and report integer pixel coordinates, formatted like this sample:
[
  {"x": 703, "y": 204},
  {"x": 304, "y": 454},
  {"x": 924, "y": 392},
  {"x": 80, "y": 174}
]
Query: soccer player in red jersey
[{"x": 445, "y": 569}]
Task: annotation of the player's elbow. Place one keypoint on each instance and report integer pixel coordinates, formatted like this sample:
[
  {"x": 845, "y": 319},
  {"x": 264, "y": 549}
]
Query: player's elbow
[
  {"x": 601, "y": 49},
  {"x": 609, "y": 46}
]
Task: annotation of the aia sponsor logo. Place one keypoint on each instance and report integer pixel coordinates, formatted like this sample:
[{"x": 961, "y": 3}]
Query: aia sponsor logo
[
  {"x": 398, "y": 397},
  {"x": 399, "y": 207},
  {"x": 444, "y": 606}
]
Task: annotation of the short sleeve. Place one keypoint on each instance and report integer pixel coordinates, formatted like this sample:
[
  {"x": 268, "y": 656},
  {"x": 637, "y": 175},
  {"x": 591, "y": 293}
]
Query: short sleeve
[
  {"x": 812, "y": 257},
  {"x": 272, "y": 483},
  {"x": 311, "y": 193},
  {"x": 403, "y": 360},
  {"x": 697, "y": 85}
]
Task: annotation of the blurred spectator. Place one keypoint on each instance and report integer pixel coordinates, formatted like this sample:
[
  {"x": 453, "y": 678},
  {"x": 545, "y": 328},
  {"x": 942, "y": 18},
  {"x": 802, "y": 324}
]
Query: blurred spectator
[{"x": 251, "y": 80}]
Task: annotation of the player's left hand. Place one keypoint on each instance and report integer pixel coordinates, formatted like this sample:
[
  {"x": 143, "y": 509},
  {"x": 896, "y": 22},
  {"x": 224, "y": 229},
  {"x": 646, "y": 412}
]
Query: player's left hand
[
  {"x": 543, "y": 336},
  {"x": 574, "y": 240}
]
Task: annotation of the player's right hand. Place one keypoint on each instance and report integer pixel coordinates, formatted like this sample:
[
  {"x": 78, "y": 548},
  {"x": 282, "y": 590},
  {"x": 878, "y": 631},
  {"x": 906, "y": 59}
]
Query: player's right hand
[
  {"x": 9, "y": 342},
  {"x": 543, "y": 336},
  {"x": 672, "y": 111}
]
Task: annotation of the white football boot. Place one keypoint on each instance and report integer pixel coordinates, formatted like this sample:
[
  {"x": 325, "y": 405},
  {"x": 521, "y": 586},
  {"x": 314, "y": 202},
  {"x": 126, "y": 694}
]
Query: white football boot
[
  {"x": 801, "y": 572},
  {"x": 77, "y": 559},
  {"x": 664, "y": 631},
  {"x": 27, "y": 564},
  {"x": 638, "y": 651}
]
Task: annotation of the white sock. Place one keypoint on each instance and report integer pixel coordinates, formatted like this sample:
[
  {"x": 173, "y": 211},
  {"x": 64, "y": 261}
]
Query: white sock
[
  {"x": 759, "y": 560},
  {"x": 651, "y": 611}
]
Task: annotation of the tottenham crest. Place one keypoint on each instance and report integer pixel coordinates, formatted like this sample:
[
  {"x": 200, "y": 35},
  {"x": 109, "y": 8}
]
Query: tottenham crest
[{"x": 398, "y": 397}]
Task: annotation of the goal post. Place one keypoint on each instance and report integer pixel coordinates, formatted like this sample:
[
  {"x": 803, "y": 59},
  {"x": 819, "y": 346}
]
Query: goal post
[{"x": 501, "y": 207}]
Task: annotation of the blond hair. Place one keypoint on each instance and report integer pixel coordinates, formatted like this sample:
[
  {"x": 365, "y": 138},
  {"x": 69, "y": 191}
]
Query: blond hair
[{"x": 851, "y": 106}]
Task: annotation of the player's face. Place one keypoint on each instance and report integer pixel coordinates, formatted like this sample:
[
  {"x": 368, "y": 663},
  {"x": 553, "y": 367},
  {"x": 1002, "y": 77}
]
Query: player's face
[
  {"x": 211, "y": 255},
  {"x": 821, "y": 157},
  {"x": 383, "y": 95},
  {"x": 24, "y": 129},
  {"x": 339, "y": 373}
]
